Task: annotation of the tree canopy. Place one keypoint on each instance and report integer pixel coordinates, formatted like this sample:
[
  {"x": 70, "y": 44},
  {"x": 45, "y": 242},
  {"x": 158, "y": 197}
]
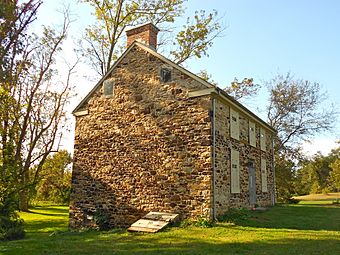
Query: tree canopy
[
  {"x": 33, "y": 98},
  {"x": 102, "y": 40}
]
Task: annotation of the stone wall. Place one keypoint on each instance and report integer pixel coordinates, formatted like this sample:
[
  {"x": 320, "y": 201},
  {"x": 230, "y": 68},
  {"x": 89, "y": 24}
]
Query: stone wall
[
  {"x": 146, "y": 148},
  {"x": 224, "y": 199}
]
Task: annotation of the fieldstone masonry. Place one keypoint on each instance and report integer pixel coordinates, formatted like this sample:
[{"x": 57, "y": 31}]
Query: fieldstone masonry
[
  {"x": 146, "y": 148},
  {"x": 149, "y": 147},
  {"x": 224, "y": 143}
]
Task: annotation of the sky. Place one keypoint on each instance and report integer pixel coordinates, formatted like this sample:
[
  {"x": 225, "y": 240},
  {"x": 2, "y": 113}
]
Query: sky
[{"x": 262, "y": 38}]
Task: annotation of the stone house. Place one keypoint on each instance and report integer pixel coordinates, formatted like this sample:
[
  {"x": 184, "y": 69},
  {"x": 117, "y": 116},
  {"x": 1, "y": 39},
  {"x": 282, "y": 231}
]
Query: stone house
[{"x": 152, "y": 136}]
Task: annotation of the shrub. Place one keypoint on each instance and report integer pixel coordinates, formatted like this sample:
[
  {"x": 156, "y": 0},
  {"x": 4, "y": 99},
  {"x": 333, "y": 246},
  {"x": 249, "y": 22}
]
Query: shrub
[
  {"x": 235, "y": 215},
  {"x": 102, "y": 219},
  {"x": 203, "y": 222},
  {"x": 198, "y": 222},
  {"x": 336, "y": 201},
  {"x": 11, "y": 228},
  {"x": 292, "y": 201}
]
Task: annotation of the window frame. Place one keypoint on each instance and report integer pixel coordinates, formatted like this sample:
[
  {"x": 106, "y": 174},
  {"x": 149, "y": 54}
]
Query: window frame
[
  {"x": 163, "y": 72},
  {"x": 108, "y": 92}
]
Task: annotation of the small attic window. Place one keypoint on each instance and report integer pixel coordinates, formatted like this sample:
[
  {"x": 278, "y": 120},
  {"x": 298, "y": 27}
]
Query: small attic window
[
  {"x": 165, "y": 75},
  {"x": 108, "y": 87}
]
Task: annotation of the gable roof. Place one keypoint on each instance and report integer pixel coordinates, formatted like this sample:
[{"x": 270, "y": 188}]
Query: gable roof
[
  {"x": 153, "y": 52},
  {"x": 214, "y": 89}
]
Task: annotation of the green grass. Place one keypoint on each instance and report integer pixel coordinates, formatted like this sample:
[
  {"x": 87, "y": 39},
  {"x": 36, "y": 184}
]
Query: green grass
[{"x": 284, "y": 229}]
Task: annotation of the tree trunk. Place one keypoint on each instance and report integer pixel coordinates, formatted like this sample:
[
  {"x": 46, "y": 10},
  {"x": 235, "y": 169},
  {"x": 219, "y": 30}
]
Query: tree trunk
[
  {"x": 23, "y": 201},
  {"x": 23, "y": 195}
]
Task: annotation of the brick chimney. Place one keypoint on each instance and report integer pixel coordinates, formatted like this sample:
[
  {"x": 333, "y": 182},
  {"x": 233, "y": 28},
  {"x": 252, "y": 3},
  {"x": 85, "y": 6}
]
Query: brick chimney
[{"x": 146, "y": 34}]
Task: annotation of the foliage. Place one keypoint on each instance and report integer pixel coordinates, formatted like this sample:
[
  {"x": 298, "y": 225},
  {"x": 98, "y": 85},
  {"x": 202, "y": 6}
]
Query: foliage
[
  {"x": 11, "y": 228},
  {"x": 33, "y": 100},
  {"x": 336, "y": 201},
  {"x": 238, "y": 90},
  {"x": 292, "y": 201},
  {"x": 102, "y": 42},
  {"x": 295, "y": 110},
  {"x": 234, "y": 215},
  {"x": 319, "y": 174},
  {"x": 207, "y": 77},
  {"x": 284, "y": 177},
  {"x": 334, "y": 175},
  {"x": 201, "y": 222},
  {"x": 102, "y": 219},
  {"x": 243, "y": 89},
  {"x": 55, "y": 179},
  {"x": 102, "y": 39},
  {"x": 15, "y": 20},
  {"x": 196, "y": 36}
]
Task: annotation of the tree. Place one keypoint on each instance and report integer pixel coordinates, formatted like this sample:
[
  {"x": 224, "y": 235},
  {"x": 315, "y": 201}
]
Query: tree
[
  {"x": 238, "y": 90},
  {"x": 313, "y": 176},
  {"x": 55, "y": 178},
  {"x": 15, "y": 20},
  {"x": 334, "y": 176},
  {"x": 284, "y": 177},
  {"x": 196, "y": 36},
  {"x": 319, "y": 174},
  {"x": 295, "y": 110},
  {"x": 34, "y": 101},
  {"x": 244, "y": 89},
  {"x": 103, "y": 38}
]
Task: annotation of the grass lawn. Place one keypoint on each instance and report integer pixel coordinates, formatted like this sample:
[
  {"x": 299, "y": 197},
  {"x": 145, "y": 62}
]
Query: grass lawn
[
  {"x": 320, "y": 197},
  {"x": 284, "y": 229}
]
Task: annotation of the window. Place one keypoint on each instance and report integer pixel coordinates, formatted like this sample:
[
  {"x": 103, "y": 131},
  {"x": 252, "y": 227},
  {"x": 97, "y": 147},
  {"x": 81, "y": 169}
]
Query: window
[
  {"x": 234, "y": 124},
  {"x": 264, "y": 175},
  {"x": 263, "y": 139},
  {"x": 108, "y": 87},
  {"x": 165, "y": 75},
  {"x": 235, "y": 171},
  {"x": 252, "y": 136}
]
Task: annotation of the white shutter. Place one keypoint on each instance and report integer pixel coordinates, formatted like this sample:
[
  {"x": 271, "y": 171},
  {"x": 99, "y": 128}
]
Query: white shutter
[
  {"x": 263, "y": 139},
  {"x": 264, "y": 175},
  {"x": 252, "y": 135},
  {"x": 235, "y": 171},
  {"x": 234, "y": 124}
]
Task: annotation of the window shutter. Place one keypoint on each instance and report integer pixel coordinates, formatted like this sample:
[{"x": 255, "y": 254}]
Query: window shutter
[
  {"x": 234, "y": 124},
  {"x": 263, "y": 139},
  {"x": 252, "y": 135},
  {"x": 235, "y": 171},
  {"x": 264, "y": 175}
]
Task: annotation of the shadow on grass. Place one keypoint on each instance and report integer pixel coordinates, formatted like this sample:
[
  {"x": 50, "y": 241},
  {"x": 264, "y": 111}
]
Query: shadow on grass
[
  {"x": 167, "y": 243},
  {"x": 49, "y": 214},
  {"x": 46, "y": 219},
  {"x": 44, "y": 226},
  {"x": 280, "y": 246},
  {"x": 300, "y": 217},
  {"x": 52, "y": 209}
]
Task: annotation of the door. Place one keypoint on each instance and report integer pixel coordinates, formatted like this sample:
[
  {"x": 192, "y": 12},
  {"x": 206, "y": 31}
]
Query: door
[{"x": 252, "y": 183}]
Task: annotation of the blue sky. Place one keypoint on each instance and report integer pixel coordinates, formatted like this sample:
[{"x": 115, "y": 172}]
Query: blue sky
[{"x": 262, "y": 38}]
